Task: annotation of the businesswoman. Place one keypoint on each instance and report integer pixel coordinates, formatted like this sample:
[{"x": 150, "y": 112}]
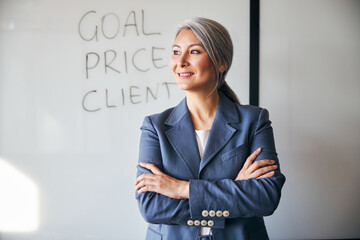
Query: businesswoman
[{"x": 208, "y": 168}]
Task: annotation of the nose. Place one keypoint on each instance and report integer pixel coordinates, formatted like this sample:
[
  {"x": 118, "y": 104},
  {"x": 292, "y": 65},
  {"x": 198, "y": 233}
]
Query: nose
[{"x": 183, "y": 61}]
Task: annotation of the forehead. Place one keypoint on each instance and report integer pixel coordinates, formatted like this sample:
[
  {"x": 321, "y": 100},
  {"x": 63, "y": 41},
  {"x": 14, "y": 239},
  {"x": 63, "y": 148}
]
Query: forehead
[{"x": 186, "y": 37}]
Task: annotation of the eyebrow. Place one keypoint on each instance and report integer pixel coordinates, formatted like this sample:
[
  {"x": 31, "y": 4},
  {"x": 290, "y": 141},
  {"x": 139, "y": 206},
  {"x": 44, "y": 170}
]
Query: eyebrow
[{"x": 191, "y": 45}]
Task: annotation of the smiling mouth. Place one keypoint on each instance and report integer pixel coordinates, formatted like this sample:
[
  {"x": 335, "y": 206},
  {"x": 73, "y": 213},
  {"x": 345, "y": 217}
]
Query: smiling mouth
[{"x": 185, "y": 74}]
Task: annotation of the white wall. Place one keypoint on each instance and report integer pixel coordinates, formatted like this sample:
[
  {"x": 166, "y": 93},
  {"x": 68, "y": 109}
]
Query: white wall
[
  {"x": 78, "y": 168},
  {"x": 310, "y": 82},
  {"x": 72, "y": 171}
]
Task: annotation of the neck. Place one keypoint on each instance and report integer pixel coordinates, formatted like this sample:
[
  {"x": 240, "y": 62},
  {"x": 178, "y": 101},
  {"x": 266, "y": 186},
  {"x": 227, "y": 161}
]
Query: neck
[{"x": 202, "y": 109}]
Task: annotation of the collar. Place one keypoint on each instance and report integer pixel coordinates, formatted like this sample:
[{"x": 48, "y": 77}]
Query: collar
[{"x": 226, "y": 110}]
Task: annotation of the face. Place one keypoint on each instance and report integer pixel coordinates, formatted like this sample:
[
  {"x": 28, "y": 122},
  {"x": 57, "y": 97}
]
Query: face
[{"x": 191, "y": 64}]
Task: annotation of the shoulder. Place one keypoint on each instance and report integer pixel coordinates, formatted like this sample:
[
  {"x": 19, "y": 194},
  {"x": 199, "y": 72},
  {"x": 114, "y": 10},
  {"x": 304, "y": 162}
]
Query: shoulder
[
  {"x": 251, "y": 112},
  {"x": 233, "y": 112},
  {"x": 158, "y": 118},
  {"x": 248, "y": 109},
  {"x": 169, "y": 117},
  {"x": 251, "y": 117}
]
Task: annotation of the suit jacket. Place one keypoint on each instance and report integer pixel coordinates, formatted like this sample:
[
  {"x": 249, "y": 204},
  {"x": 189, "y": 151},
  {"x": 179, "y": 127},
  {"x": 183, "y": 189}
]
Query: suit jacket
[{"x": 168, "y": 140}]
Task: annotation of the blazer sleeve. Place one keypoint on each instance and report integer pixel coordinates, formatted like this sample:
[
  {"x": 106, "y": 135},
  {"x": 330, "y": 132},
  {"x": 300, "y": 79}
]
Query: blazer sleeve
[
  {"x": 245, "y": 198},
  {"x": 155, "y": 207}
]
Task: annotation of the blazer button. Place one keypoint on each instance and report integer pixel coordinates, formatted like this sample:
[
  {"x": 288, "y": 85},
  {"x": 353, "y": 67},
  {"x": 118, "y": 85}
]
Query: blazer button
[
  {"x": 205, "y": 213},
  {"x": 212, "y": 213},
  {"x": 204, "y": 223},
  {"x": 197, "y": 223},
  {"x": 219, "y": 213},
  {"x": 190, "y": 222},
  {"x": 226, "y": 213},
  {"x": 210, "y": 223}
]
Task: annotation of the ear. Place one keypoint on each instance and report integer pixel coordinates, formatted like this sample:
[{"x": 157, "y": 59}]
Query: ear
[{"x": 222, "y": 68}]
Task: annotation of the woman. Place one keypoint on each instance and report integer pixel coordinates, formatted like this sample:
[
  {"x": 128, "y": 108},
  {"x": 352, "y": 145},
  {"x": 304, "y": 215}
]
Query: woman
[{"x": 195, "y": 180}]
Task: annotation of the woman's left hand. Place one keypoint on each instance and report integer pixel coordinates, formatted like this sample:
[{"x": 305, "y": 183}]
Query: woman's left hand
[{"x": 159, "y": 182}]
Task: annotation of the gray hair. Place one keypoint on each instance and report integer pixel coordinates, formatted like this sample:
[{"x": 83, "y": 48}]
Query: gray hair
[{"x": 216, "y": 41}]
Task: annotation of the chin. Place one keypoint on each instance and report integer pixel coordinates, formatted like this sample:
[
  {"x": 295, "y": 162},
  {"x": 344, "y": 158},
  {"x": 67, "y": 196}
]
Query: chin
[{"x": 183, "y": 86}]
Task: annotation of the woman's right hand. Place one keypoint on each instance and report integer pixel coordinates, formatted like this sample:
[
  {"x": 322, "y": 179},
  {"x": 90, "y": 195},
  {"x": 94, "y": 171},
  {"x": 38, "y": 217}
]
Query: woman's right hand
[{"x": 259, "y": 169}]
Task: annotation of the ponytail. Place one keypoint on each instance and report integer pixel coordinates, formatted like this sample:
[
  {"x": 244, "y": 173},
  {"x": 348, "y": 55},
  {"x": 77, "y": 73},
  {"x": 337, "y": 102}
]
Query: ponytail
[{"x": 226, "y": 89}]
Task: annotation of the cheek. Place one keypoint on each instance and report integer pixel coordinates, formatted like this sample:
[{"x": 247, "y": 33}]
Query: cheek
[
  {"x": 203, "y": 65},
  {"x": 207, "y": 65},
  {"x": 172, "y": 64}
]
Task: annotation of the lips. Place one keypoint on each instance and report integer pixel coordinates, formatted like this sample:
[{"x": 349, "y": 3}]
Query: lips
[{"x": 185, "y": 74}]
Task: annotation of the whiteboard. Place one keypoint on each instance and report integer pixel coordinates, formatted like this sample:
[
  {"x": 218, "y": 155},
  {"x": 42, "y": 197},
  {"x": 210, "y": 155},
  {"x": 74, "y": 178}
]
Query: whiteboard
[{"x": 76, "y": 80}]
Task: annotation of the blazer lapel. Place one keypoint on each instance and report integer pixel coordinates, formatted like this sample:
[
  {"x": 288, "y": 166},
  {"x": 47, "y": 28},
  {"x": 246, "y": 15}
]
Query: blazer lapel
[
  {"x": 221, "y": 131},
  {"x": 182, "y": 137}
]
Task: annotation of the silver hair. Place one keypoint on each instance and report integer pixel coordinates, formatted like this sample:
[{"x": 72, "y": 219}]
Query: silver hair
[{"x": 216, "y": 41}]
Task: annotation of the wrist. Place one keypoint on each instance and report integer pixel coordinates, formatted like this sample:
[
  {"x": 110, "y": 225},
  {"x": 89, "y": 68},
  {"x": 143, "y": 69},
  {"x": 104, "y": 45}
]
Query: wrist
[{"x": 185, "y": 190}]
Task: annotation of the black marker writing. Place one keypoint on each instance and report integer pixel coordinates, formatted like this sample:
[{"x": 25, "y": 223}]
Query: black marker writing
[
  {"x": 119, "y": 62},
  {"x": 93, "y": 34},
  {"x": 107, "y": 64},
  {"x": 94, "y": 27},
  {"x": 117, "y": 26},
  {"x": 135, "y": 95}
]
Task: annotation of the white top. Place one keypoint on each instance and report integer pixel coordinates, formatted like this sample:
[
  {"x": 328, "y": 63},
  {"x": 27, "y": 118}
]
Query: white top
[{"x": 201, "y": 138}]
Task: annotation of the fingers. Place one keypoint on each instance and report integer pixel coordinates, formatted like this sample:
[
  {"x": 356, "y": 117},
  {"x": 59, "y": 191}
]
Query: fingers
[
  {"x": 163, "y": 184},
  {"x": 145, "y": 186},
  {"x": 146, "y": 182},
  {"x": 251, "y": 158},
  {"x": 144, "y": 176},
  {"x": 263, "y": 171},
  {"x": 152, "y": 167},
  {"x": 267, "y": 175},
  {"x": 145, "y": 189},
  {"x": 260, "y": 163}
]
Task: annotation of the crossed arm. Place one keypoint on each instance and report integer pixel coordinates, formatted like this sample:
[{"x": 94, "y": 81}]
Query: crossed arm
[
  {"x": 159, "y": 182},
  {"x": 255, "y": 191}
]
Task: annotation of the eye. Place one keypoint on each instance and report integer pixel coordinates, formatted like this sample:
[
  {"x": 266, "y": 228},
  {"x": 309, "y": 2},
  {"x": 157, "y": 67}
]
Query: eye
[
  {"x": 176, "y": 52},
  {"x": 195, "y": 51}
]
